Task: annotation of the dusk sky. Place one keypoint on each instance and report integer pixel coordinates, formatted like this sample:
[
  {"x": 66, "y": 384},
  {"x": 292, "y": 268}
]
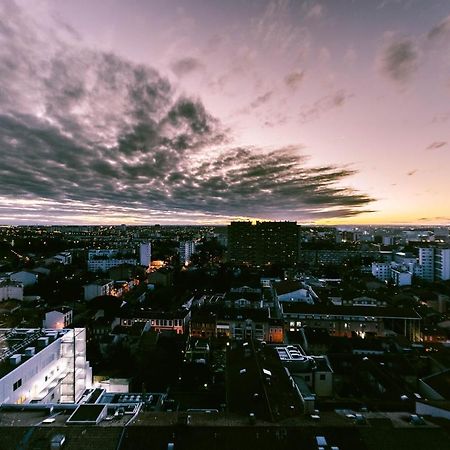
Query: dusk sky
[{"x": 204, "y": 111}]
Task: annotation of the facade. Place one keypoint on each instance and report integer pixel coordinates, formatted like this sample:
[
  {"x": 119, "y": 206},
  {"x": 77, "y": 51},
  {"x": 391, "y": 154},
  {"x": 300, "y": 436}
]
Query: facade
[
  {"x": 263, "y": 243},
  {"x": 97, "y": 289},
  {"x": 381, "y": 271},
  {"x": 159, "y": 321},
  {"x": 39, "y": 366},
  {"x": 401, "y": 277},
  {"x": 11, "y": 290},
  {"x": 434, "y": 264},
  {"x": 145, "y": 254},
  {"x": 442, "y": 263},
  {"x": 237, "y": 324},
  {"x": 58, "y": 318},
  {"x": 186, "y": 250},
  {"x": 426, "y": 261}
]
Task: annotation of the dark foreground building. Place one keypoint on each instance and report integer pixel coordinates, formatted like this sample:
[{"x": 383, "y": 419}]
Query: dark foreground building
[
  {"x": 44, "y": 429},
  {"x": 263, "y": 243}
]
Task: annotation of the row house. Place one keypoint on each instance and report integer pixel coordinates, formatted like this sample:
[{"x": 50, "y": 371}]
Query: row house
[
  {"x": 176, "y": 321},
  {"x": 237, "y": 323},
  {"x": 348, "y": 320}
]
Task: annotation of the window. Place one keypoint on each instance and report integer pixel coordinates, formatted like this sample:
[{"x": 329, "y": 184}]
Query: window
[{"x": 17, "y": 384}]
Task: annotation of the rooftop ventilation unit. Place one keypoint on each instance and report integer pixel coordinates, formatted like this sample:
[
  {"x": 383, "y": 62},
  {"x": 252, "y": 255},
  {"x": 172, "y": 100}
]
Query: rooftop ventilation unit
[
  {"x": 15, "y": 359},
  {"x": 42, "y": 342},
  {"x": 30, "y": 351}
]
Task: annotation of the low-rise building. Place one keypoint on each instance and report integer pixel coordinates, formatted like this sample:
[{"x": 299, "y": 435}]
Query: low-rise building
[
  {"x": 11, "y": 290},
  {"x": 348, "y": 320},
  {"x": 24, "y": 277},
  {"x": 177, "y": 321},
  {"x": 98, "y": 288},
  {"x": 58, "y": 318}
]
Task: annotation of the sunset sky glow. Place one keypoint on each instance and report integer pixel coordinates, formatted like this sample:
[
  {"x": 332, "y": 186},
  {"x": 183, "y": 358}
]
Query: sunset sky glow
[{"x": 203, "y": 111}]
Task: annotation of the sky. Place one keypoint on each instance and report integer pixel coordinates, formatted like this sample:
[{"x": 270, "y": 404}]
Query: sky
[{"x": 206, "y": 111}]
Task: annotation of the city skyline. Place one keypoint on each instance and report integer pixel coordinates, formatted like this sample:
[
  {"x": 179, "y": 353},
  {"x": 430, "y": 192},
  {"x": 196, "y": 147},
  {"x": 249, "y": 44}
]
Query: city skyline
[{"x": 177, "y": 112}]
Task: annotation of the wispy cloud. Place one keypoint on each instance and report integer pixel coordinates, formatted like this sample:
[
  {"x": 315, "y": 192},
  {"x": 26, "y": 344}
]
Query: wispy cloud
[
  {"x": 323, "y": 105},
  {"x": 437, "y": 144}
]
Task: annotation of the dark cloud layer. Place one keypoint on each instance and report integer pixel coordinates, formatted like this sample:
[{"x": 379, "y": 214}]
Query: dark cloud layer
[
  {"x": 84, "y": 133},
  {"x": 399, "y": 59},
  {"x": 441, "y": 30},
  {"x": 185, "y": 66}
]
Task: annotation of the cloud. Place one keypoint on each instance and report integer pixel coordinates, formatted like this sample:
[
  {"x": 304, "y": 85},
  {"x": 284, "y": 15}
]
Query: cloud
[
  {"x": 398, "y": 59},
  {"x": 323, "y": 105},
  {"x": 411, "y": 172},
  {"x": 88, "y": 136},
  {"x": 261, "y": 100},
  {"x": 294, "y": 79},
  {"x": 315, "y": 11},
  {"x": 437, "y": 144},
  {"x": 186, "y": 66},
  {"x": 441, "y": 30}
]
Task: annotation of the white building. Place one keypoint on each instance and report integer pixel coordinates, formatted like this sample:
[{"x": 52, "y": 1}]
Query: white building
[
  {"x": 58, "y": 318},
  {"x": 186, "y": 250},
  {"x": 442, "y": 263},
  {"x": 103, "y": 260},
  {"x": 24, "y": 277},
  {"x": 381, "y": 271},
  {"x": 11, "y": 290},
  {"x": 291, "y": 291},
  {"x": 98, "y": 288},
  {"x": 401, "y": 276},
  {"x": 145, "y": 254},
  {"x": 44, "y": 366},
  {"x": 426, "y": 261},
  {"x": 64, "y": 258}
]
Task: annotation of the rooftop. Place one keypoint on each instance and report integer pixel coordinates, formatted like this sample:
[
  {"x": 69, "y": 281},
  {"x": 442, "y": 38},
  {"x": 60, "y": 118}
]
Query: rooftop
[
  {"x": 21, "y": 344},
  {"x": 356, "y": 311}
]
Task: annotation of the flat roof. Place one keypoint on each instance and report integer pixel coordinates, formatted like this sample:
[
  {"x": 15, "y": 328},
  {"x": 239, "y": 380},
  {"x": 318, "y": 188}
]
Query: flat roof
[
  {"x": 355, "y": 311},
  {"x": 14, "y": 341}
]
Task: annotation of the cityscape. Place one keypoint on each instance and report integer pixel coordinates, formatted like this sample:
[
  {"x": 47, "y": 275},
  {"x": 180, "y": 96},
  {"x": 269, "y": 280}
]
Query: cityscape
[{"x": 224, "y": 225}]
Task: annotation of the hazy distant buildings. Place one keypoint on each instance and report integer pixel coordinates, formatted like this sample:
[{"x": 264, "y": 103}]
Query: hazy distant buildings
[{"x": 263, "y": 243}]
